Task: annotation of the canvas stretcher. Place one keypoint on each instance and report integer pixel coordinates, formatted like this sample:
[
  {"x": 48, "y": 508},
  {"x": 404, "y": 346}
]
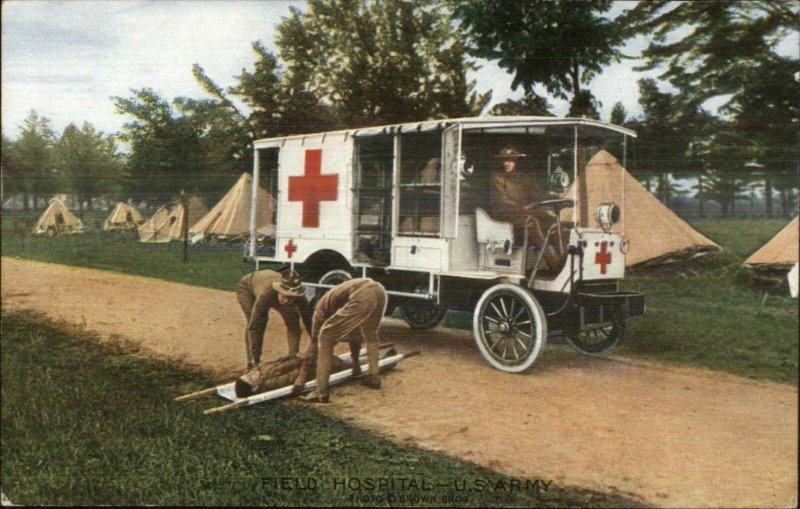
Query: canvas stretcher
[{"x": 227, "y": 391}]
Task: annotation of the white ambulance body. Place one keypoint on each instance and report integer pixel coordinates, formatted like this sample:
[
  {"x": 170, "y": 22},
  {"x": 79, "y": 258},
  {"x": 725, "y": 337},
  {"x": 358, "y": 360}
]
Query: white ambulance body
[{"x": 408, "y": 205}]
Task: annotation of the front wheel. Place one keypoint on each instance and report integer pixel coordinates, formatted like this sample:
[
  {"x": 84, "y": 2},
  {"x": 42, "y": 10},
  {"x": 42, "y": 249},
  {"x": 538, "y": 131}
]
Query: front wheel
[{"x": 510, "y": 327}]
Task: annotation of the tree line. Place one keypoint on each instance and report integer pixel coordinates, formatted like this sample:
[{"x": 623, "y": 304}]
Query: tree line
[{"x": 350, "y": 63}]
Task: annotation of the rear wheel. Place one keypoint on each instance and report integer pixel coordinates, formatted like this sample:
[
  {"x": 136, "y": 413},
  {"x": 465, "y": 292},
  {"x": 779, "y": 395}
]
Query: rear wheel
[
  {"x": 600, "y": 339},
  {"x": 333, "y": 277},
  {"x": 510, "y": 327},
  {"x": 422, "y": 314}
]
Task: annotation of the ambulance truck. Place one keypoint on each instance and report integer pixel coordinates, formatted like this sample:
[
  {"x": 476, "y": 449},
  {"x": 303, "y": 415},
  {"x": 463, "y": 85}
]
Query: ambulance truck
[{"x": 408, "y": 205}]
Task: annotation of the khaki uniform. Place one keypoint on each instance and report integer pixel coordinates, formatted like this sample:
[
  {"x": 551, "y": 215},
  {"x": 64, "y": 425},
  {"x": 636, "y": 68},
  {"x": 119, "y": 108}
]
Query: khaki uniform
[
  {"x": 351, "y": 311},
  {"x": 257, "y": 297},
  {"x": 509, "y": 193}
]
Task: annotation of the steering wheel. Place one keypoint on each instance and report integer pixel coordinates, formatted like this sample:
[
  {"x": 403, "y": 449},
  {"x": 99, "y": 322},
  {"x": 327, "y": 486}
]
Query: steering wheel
[{"x": 556, "y": 205}]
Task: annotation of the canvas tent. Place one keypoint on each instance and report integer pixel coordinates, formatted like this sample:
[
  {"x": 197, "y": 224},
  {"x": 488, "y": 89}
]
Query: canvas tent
[
  {"x": 57, "y": 219},
  {"x": 155, "y": 229},
  {"x": 123, "y": 218},
  {"x": 656, "y": 234},
  {"x": 166, "y": 224},
  {"x": 781, "y": 250},
  {"x": 230, "y": 217}
]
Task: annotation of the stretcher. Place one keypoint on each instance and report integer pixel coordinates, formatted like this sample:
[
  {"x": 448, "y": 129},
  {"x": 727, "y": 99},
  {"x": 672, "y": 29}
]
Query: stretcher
[{"x": 226, "y": 391}]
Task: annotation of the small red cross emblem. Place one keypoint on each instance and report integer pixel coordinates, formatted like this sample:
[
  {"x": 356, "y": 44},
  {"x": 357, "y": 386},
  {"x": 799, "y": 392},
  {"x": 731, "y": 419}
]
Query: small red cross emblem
[
  {"x": 290, "y": 248},
  {"x": 602, "y": 258},
  {"x": 313, "y": 188}
]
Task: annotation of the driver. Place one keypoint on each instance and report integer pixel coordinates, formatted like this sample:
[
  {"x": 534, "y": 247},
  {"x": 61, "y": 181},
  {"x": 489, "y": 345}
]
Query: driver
[{"x": 514, "y": 198}]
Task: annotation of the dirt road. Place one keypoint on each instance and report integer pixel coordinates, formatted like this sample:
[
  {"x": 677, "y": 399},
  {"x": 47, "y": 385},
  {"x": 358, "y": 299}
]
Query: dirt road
[{"x": 666, "y": 435}]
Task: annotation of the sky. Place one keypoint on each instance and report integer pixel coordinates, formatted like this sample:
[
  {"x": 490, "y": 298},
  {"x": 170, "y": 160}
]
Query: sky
[{"x": 66, "y": 59}]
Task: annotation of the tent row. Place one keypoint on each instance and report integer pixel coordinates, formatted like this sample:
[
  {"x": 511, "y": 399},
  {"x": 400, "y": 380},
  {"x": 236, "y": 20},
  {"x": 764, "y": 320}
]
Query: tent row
[
  {"x": 656, "y": 234},
  {"x": 229, "y": 219}
]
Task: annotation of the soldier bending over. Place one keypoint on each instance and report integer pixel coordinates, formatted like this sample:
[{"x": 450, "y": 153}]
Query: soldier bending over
[
  {"x": 263, "y": 290},
  {"x": 351, "y": 311}
]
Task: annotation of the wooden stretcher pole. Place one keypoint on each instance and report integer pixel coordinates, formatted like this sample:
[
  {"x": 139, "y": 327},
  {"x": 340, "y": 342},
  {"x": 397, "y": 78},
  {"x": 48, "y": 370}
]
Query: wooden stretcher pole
[
  {"x": 335, "y": 379},
  {"x": 196, "y": 395},
  {"x": 212, "y": 390}
]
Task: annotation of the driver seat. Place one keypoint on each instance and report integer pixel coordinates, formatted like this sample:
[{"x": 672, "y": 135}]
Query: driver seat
[{"x": 495, "y": 235}]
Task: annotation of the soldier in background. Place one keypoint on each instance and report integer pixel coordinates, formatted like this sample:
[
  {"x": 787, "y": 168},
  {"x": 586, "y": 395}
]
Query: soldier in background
[
  {"x": 351, "y": 311},
  {"x": 263, "y": 290}
]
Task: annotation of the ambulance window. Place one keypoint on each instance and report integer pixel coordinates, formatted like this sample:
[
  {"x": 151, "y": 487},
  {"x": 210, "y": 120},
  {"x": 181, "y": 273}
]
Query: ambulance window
[
  {"x": 373, "y": 193},
  {"x": 420, "y": 184},
  {"x": 268, "y": 171}
]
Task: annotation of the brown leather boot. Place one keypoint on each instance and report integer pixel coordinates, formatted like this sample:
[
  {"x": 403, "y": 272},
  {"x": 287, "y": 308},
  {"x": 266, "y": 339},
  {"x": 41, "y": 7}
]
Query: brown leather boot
[{"x": 371, "y": 381}]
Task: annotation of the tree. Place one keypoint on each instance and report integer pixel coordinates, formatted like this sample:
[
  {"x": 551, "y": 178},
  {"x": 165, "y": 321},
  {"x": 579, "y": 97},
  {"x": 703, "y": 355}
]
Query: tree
[
  {"x": 709, "y": 49},
  {"x": 618, "y": 114},
  {"x": 88, "y": 160},
  {"x": 529, "y": 104},
  {"x": 561, "y": 45},
  {"x": 728, "y": 50},
  {"x": 377, "y": 62},
  {"x": 31, "y": 158},
  {"x": 281, "y": 103}
]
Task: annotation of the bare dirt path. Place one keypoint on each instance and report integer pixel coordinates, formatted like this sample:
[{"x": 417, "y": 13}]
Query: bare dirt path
[{"x": 666, "y": 435}]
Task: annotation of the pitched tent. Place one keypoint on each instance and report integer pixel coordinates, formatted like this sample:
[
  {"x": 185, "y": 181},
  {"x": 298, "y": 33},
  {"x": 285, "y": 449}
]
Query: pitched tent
[
  {"x": 781, "y": 250},
  {"x": 166, "y": 224},
  {"x": 57, "y": 219},
  {"x": 123, "y": 218},
  {"x": 656, "y": 234},
  {"x": 156, "y": 228},
  {"x": 230, "y": 217}
]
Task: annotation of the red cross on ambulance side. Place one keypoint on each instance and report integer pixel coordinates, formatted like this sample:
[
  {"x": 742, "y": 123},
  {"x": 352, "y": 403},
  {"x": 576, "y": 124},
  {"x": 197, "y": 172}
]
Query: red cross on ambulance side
[{"x": 312, "y": 188}]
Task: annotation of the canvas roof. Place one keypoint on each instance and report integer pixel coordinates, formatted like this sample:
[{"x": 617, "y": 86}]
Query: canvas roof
[
  {"x": 467, "y": 123},
  {"x": 656, "y": 234},
  {"x": 123, "y": 217},
  {"x": 166, "y": 224},
  {"x": 230, "y": 217},
  {"x": 57, "y": 219},
  {"x": 782, "y": 249}
]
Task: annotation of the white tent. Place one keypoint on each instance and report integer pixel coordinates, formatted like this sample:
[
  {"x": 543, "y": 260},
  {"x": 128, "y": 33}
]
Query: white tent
[
  {"x": 656, "y": 234},
  {"x": 230, "y": 217},
  {"x": 167, "y": 224},
  {"x": 56, "y": 220},
  {"x": 123, "y": 218}
]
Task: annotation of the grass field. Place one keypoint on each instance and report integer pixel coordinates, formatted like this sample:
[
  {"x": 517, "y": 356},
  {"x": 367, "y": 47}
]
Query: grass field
[
  {"x": 88, "y": 423},
  {"x": 707, "y": 313}
]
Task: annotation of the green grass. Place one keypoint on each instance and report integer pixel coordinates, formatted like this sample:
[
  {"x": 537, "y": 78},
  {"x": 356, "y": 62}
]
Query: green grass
[
  {"x": 92, "y": 423},
  {"x": 214, "y": 266},
  {"x": 707, "y": 313},
  {"x": 713, "y": 313}
]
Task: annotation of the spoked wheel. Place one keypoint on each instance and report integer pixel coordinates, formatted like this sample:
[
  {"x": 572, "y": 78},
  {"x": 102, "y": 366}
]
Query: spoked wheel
[
  {"x": 598, "y": 340},
  {"x": 510, "y": 327},
  {"x": 422, "y": 315}
]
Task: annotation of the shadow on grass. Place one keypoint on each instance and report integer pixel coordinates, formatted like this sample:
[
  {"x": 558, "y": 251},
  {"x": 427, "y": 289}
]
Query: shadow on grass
[{"x": 89, "y": 423}]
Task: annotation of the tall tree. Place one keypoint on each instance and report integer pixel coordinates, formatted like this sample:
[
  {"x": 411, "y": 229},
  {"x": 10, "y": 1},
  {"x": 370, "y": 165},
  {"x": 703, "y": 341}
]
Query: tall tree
[
  {"x": 561, "y": 45},
  {"x": 618, "y": 114},
  {"x": 281, "y": 104},
  {"x": 379, "y": 61},
  {"x": 88, "y": 159},
  {"x": 529, "y": 104},
  {"x": 32, "y": 158},
  {"x": 730, "y": 50}
]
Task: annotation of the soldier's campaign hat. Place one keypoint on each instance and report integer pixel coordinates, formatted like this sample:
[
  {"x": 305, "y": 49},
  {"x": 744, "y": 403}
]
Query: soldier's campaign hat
[
  {"x": 509, "y": 152},
  {"x": 290, "y": 285}
]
